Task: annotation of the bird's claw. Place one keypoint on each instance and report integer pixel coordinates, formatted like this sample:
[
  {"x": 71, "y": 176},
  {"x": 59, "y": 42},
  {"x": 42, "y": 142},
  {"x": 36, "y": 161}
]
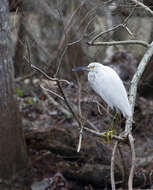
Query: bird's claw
[{"x": 108, "y": 135}]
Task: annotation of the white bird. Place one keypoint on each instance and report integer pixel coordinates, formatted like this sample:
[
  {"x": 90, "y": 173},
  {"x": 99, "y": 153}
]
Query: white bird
[{"x": 108, "y": 85}]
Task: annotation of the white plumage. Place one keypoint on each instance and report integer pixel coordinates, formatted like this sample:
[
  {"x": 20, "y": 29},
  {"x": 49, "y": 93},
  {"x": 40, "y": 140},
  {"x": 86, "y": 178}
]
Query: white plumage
[{"x": 108, "y": 85}]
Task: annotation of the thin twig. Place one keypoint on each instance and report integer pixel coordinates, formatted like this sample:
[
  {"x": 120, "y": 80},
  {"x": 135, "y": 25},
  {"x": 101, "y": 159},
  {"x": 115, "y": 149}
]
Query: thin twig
[
  {"x": 79, "y": 97},
  {"x": 49, "y": 10},
  {"x": 128, "y": 17},
  {"x": 46, "y": 89},
  {"x": 60, "y": 61},
  {"x": 24, "y": 77},
  {"x": 65, "y": 48},
  {"x": 129, "y": 42},
  {"x": 63, "y": 109},
  {"x": 123, "y": 163},
  {"x": 105, "y": 109},
  {"x": 112, "y": 165},
  {"x": 87, "y": 26},
  {"x": 48, "y": 77},
  {"x": 90, "y": 124},
  {"x": 93, "y": 10},
  {"x": 80, "y": 139},
  {"x": 98, "y": 107},
  {"x": 68, "y": 104},
  {"x": 143, "y": 6},
  {"x": 80, "y": 113},
  {"x": 67, "y": 28},
  {"x": 129, "y": 31},
  {"x": 130, "y": 181},
  {"x": 38, "y": 69},
  {"x": 14, "y": 21},
  {"x": 68, "y": 25},
  {"x": 84, "y": 33},
  {"x": 88, "y": 14},
  {"x": 101, "y": 135},
  {"x": 124, "y": 25},
  {"x": 102, "y": 33},
  {"x": 58, "y": 106}
]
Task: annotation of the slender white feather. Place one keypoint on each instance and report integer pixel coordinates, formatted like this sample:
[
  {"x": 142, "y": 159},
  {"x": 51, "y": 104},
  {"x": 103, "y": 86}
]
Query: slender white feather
[{"x": 108, "y": 85}]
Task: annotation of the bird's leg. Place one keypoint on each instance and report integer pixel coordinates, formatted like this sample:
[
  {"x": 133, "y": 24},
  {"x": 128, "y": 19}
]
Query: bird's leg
[{"x": 114, "y": 123}]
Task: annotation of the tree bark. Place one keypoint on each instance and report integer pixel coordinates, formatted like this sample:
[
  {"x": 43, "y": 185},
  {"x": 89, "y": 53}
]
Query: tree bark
[
  {"x": 13, "y": 156},
  {"x": 20, "y": 47}
]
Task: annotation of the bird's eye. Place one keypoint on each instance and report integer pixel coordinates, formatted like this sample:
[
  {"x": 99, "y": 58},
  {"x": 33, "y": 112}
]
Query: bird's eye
[{"x": 91, "y": 67}]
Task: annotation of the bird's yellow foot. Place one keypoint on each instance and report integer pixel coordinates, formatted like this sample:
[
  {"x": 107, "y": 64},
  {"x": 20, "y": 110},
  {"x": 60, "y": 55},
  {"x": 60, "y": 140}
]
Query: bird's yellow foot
[{"x": 108, "y": 136}]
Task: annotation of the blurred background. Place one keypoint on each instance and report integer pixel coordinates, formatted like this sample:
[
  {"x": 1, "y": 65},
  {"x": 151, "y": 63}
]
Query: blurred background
[{"x": 57, "y": 32}]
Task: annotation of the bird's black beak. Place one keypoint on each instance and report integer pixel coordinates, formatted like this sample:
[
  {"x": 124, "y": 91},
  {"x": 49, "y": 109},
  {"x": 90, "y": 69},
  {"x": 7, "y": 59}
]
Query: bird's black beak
[{"x": 85, "y": 68}]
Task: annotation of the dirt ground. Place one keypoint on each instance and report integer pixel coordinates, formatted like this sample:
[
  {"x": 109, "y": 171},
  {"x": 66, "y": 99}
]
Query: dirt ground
[{"x": 52, "y": 139}]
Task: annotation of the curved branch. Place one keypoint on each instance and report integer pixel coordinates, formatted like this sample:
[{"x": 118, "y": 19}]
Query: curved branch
[
  {"x": 129, "y": 42},
  {"x": 130, "y": 181},
  {"x": 48, "y": 77},
  {"x": 133, "y": 91},
  {"x": 112, "y": 165},
  {"x": 38, "y": 69},
  {"x": 134, "y": 84},
  {"x": 101, "y": 33},
  {"x": 143, "y": 6}
]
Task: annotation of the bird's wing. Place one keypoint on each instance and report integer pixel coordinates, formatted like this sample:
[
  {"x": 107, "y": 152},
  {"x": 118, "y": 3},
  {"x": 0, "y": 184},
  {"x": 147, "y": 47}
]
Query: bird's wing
[{"x": 110, "y": 87}]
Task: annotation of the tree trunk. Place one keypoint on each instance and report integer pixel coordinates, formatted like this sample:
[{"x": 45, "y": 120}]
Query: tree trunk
[
  {"x": 20, "y": 47},
  {"x": 19, "y": 61},
  {"x": 13, "y": 157}
]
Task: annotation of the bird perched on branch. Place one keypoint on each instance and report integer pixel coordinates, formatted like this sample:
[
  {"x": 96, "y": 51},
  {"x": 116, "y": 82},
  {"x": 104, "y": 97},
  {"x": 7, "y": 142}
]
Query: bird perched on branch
[{"x": 108, "y": 85}]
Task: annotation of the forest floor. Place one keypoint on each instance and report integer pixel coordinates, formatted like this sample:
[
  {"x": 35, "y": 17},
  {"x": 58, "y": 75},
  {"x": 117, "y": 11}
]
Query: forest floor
[{"x": 52, "y": 138}]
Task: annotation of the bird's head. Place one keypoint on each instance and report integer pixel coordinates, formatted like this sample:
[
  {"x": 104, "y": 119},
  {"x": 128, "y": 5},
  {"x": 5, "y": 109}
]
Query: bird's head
[{"x": 91, "y": 67}]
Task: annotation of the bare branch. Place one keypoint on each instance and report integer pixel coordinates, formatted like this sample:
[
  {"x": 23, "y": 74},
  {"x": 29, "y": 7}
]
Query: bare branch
[
  {"x": 38, "y": 69},
  {"x": 68, "y": 25},
  {"x": 24, "y": 77},
  {"x": 124, "y": 25},
  {"x": 105, "y": 109},
  {"x": 129, "y": 42},
  {"x": 132, "y": 97},
  {"x": 58, "y": 106},
  {"x": 64, "y": 40},
  {"x": 102, "y": 33},
  {"x": 130, "y": 182},
  {"x": 46, "y": 89},
  {"x": 60, "y": 61},
  {"x": 84, "y": 33},
  {"x": 127, "y": 18},
  {"x": 49, "y": 10},
  {"x": 112, "y": 165},
  {"x": 129, "y": 31},
  {"x": 88, "y": 14},
  {"x": 98, "y": 134},
  {"x": 68, "y": 105},
  {"x": 87, "y": 26},
  {"x": 90, "y": 124},
  {"x": 123, "y": 170},
  {"x": 80, "y": 140},
  {"x": 79, "y": 113},
  {"x": 134, "y": 84},
  {"x": 48, "y": 77},
  {"x": 143, "y": 6}
]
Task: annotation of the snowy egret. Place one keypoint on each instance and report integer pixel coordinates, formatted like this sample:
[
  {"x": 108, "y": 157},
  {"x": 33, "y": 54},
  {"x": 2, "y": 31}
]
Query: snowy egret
[{"x": 108, "y": 85}]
